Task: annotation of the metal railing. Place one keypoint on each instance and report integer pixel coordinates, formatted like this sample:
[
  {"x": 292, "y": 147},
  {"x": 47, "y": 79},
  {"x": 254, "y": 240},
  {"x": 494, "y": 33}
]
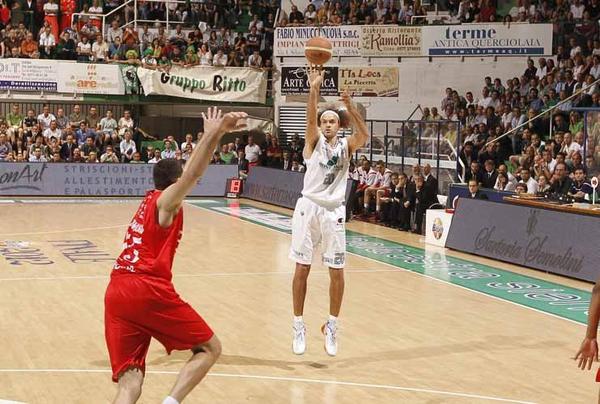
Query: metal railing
[
  {"x": 543, "y": 113},
  {"x": 405, "y": 143}
]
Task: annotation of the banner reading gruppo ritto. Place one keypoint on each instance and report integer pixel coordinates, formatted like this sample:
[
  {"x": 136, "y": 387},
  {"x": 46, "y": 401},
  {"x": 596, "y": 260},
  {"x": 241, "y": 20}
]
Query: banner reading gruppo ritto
[{"x": 232, "y": 84}]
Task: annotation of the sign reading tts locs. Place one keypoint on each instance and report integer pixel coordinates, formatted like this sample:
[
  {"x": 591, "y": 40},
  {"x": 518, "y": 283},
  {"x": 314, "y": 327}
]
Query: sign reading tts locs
[{"x": 556, "y": 242}]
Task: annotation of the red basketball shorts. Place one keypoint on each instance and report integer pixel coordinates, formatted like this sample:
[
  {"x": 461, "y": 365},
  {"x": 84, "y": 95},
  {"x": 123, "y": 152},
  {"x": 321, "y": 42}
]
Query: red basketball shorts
[{"x": 137, "y": 308}]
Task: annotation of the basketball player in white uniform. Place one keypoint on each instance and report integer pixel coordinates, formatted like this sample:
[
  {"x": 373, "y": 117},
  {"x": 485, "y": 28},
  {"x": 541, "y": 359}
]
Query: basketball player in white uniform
[{"x": 319, "y": 217}]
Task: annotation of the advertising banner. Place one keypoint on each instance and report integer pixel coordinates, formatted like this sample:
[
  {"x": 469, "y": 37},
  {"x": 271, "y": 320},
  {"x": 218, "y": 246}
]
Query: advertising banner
[
  {"x": 487, "y": 39},
  {"x": 369, "y": 81},
  {"x": 28, "y": 75},
  {"x": 290, "y": 41},
  {"x": 278, "y": 187},
  {"x": 359, "y": 81},
  {"x": 390, "y": 40},
  {"x": 71, "y": 179},
  {"x": 90, "y": 78},
  {"x": 552, "y": 241},
  {"x": 231, "y": 84},
  {"x": 294, "y": 81}
]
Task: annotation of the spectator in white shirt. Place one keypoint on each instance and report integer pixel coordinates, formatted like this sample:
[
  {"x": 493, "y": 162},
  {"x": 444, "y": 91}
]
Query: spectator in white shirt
[
  {"x": 577, "y": 10},
  {"x": 168, "y": 152},
  {"x": 569, "y": 146},
  {"x": 252, "y": 151},
  {"x": 595, "y": 70},
  {"x": 485, "y": 100},
  {"x": 188, "y": 140},
  {"x": 108, "y": 124},
  {"x": 256, "y": 23},
  {"x": 47, "y": 43},
  {"x": 532, "y": 185},
  {"x": 127, "y": 147},
  {"x": 37, "y": 156},
  {"x": 114, "y": 32},
  {"x": 156, "y": 157},
  {"x": 53, "y": 131},
  {"x": 255, "y": 60},
  {"x": 84, "y": 50},
  {"x": 109, "y": 156},
  {"x": 99, "y": 50},
  {"x": 45, "y": 118},
  {"x": 220, "y": 59},
  {"x": 126, "y": 122}
]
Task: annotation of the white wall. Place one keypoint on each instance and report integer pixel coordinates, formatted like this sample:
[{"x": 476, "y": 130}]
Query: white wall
[{"x": 423, "y": 82}]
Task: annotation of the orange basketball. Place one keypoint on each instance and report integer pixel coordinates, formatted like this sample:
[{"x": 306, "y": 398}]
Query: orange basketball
[{"x": 318, "y": 50}]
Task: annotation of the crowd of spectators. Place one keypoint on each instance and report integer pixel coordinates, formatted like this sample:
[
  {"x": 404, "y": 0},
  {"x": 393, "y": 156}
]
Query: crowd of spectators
[
  {"x": 224, "y": 33},
  {"x": 549, "y": 154},
  {"x": 578, "y": 16},
  {"x": 78, "y": 136}
]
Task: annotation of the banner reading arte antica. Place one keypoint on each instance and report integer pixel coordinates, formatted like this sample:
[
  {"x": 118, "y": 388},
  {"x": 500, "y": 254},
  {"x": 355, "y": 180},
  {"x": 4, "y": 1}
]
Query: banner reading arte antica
[{"x": 231, "y": 84}]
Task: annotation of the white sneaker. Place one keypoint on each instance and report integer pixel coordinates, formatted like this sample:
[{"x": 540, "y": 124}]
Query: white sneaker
[
  {"x": 329, "y": 329},
  {"x": 299, "y": 342}
]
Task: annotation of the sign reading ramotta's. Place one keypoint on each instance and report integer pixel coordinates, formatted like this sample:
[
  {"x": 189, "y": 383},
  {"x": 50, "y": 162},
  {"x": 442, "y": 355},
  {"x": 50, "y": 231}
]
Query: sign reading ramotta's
[
  {"x": 557, "y": 242},
  {"x": 233, "y": 84}
]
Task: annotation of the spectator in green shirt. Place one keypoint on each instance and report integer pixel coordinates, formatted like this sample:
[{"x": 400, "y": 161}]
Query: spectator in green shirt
[
  {"x": 14, "y": 119},
  {"x": 227, "y": 155}
]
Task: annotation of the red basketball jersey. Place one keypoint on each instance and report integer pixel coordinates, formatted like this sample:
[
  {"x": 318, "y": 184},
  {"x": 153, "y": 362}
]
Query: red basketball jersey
[{"x": 148, "y": 248}]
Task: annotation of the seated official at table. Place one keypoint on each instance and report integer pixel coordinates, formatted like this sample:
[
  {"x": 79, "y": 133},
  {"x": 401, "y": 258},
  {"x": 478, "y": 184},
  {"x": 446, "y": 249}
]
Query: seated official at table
[{"x": 474, "y": 192}]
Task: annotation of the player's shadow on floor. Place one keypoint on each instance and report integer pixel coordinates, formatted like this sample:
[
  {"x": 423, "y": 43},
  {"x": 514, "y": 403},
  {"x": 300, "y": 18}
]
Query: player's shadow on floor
[
  {"x": 239, "y": 360},
  {"x": 493, "y": 343}
]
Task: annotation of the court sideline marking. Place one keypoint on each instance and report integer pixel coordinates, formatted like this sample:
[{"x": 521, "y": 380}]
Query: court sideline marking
[
  {"x": 204, "y": 274},
  {"x": 542, "y": 296},
  {"x": 288, "y": 379}
]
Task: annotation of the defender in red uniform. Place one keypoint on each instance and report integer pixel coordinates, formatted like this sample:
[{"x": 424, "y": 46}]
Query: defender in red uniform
[{"x": 140, "y": 301}]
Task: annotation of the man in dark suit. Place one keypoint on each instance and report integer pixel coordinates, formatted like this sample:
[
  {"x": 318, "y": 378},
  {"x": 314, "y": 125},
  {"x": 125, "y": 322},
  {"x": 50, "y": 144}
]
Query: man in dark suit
[
  {"x": 67, "y": 148},
  {"x": 422, "y": 202},
  {"x": 431, "y": 184},
  {"x": 28, "y": 7},
  {"x": 490, "y": 175},
  {"x": 474, "y": 173},
  {"x": 474, "y": 192},
  {"x": 560, "y": 183},
  {"x": 287, "y": 161}
]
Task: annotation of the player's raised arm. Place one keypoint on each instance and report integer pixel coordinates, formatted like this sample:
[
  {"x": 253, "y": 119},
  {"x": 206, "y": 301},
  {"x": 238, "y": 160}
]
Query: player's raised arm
[
  {"x": 361, "y": 133},
  {"x": 588, "y": 352},
  {"x": 315, "y": 78},
  {"x": 215, "y": 126}
]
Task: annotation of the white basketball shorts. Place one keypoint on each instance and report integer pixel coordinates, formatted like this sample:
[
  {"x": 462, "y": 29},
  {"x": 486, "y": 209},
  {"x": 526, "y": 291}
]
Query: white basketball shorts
[{"x": 313, "y": 225}]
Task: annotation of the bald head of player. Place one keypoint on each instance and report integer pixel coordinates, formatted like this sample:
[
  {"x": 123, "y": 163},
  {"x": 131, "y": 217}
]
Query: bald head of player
[
  {"x": 329, "y": 123},
  {"x": 166, "y": 172}
]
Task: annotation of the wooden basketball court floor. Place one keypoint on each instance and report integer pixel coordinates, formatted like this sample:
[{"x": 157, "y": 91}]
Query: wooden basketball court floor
[{"x": 404, "y": 337}]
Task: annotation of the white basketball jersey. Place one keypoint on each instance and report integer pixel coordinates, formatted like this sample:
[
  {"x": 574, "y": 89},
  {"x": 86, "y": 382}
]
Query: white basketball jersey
[{"x": 327, "y": 173}]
